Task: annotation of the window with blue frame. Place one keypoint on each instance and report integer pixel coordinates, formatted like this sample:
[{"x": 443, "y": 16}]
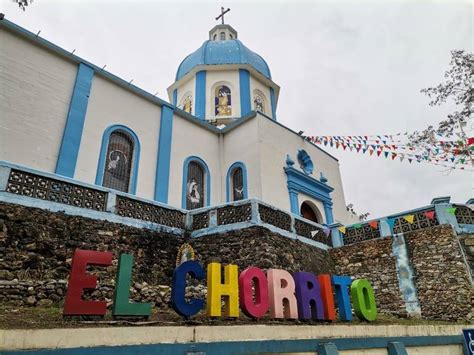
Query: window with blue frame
[
  {"x": 119, "y": 160},
  {"x": 237, "y": 184},
  {"x": 195, "y": 186}
]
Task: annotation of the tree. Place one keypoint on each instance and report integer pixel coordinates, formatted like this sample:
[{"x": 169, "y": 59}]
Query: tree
[
  {"x": 458, "y": 87},
  {"x": 23, "y": 3}
]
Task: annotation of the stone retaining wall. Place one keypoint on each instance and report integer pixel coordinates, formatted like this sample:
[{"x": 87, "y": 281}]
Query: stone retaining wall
[
  {"x": 442, "y": 280},
  {"x": 373, "y": 260},
  {"x": 36, "y": 248}
]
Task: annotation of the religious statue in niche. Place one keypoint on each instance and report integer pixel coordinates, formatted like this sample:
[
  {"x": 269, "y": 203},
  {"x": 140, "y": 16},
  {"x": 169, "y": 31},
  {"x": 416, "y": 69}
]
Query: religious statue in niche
[
  {"x": 223, "y": 104},
  {"x": 118, "y": 164},
  {"x": 188, "y": 104},
  {"x": 238, "y": 193},
  {"x": 258, "y": 103},
  {"x": 193, "y": 194},
  {"x": 185, "y": 253}
]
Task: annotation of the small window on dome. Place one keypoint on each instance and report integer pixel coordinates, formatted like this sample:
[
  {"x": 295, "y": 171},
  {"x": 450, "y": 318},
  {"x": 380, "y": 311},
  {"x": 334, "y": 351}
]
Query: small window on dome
[
  {"x": 231, "y": 37},
  {"x": 259, "y": 101},
  {"x": 222, "y": 36},
  {"x": 222, "y": 101},
  {"x": 214, "y": 37}
]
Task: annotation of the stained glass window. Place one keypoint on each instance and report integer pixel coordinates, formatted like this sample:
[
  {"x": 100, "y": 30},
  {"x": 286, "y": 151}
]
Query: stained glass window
[
  {"x": 223, "y": 101},
  {"x": 259, "y": 101},
  {"x": 195, "y": 188},
  {"x": 237, "y": 184},
  {"x": 187, "y": 104},
  {"x": 118, "y": 164}
]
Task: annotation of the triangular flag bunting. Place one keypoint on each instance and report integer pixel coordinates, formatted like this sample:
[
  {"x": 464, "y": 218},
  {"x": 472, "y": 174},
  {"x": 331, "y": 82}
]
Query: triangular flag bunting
[
  {"x": 326, "y": 231},
  {"x": 391, "y": 223},
  {"x": 314, "y": 233},
  {"x": 451, "y": 210},
  {"x": 379, "y": 152},
  {"x": 394, "y": 155},
  {"x": 357, "y": 225},
  {"x": 409, "y": 218},
  {"x": 371, "y": 152},
  {"x": 386, "y": 154},
  {"x": 429, "y": 214},
  {"x": 342, "y": 229},
  {"x": 374, "y": 224}
]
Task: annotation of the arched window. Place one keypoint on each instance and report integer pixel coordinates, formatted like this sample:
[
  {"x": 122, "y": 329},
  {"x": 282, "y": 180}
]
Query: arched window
[
  {"x": 223, "y": 101},
  {"x": 237, "y": 182},
  {"x": 259, "y": 101},
  {"x": 187, "y": 103},
  {"x": 222, "y": 36},
  {"x": 214, "y": 37},
  {"x": 231, "y": 37},
  {"x": 118, "y": 163},
  {"x": 196, "y": 184}
]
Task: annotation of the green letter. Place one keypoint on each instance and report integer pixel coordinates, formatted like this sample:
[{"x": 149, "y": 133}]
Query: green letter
[
  {"x": 363, "y": 300},
  {"x": 122, "y": 307}
]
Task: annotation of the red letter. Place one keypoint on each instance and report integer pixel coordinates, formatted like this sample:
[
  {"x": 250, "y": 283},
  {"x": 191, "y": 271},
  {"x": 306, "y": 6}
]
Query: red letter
[
  {"x": 249, "y": 277},
  {"x": 328, "y": 298},
  {"x": 79, "y": 280}
]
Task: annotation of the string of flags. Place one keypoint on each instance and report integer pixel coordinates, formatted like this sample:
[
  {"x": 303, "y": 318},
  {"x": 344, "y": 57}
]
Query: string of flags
[
  {"x": 445, "y": 152},
  {"x": 410, "y": 218}
]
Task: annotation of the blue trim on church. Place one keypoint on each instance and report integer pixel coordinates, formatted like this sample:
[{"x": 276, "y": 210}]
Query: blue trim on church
[
  {"x": 163, "y": 162},
  {"x": 237, "y": 164},
  {"x": 299, "y": 182},
  {"x": 244, "y": 81},
  {"x": 200, "y": 109},
  {"x": 103, "y": 152},
  {"x": 207, "y": 177},
  {"x": 273, "y": 103},
  {"x": 71, "y": 141}
]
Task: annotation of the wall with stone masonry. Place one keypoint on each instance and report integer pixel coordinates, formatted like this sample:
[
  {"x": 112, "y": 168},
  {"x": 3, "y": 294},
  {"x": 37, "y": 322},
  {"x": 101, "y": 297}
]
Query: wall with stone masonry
[
  {"x": 467, "y": 243},
  {"x": 36, "y": 248},
  {"x": 442, "y": 280},
  {"x": 373, "y": 260}
]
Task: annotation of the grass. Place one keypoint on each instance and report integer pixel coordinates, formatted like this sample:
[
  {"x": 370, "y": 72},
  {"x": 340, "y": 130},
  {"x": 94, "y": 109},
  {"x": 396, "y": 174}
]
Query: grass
[{"x": 13, "y": 317}]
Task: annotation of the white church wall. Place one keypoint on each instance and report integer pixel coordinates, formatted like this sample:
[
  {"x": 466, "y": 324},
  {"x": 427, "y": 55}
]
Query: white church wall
[
  {"x": 275, "y": 143},
  {"x": 188, "y": 140},
  {"x": 255, "y": 84},
  {"x": 35, "y": 92},
  {"x": 241, "y": 144},
  {"x": 229, "y": 78},
  {"x": 110, "y": 104},
  {"x": 187, "y": 87}
]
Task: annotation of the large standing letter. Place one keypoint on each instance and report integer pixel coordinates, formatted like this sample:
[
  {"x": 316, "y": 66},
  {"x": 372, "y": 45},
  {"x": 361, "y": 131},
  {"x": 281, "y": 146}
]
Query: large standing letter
[
  {"x": 122, "y": 307},
  {"x": 363, "y": 299},
  {"x": 229, "y": 290},
  {"x": 79, "y": 280},
  {"x": 178, "y": 288},
  {"x": 341, "y": 284},
  {"x": 253, "y": 276},
  {"x": 308, "y": 295},
  {"x": 327, "y": 297},
  {"x": 281, "y": 294}
]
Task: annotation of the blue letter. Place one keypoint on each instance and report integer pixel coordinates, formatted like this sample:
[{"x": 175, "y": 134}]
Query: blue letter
[
  {"x": 178, "y": 286},
  {"x": 341, "y": 284}
]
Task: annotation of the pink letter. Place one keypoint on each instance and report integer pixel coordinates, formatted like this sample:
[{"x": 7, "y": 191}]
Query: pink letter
[{"x": 281, "y": 294}]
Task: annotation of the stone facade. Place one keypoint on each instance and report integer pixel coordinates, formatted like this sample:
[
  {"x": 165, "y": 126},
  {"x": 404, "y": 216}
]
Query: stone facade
[
  {"x": 467, "y": 243},
  {"x": 442, "y": 280},
  {"x": 36, "y": 249},
  {"x": 374, "y": 261}
]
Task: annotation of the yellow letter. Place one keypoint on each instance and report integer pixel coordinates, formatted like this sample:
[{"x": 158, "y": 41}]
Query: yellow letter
[{"x": 229, "y": 290}]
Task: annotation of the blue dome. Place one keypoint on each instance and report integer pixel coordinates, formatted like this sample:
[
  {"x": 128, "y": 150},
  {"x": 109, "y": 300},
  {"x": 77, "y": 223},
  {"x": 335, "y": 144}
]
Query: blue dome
[{"x": 223, "y": 52}]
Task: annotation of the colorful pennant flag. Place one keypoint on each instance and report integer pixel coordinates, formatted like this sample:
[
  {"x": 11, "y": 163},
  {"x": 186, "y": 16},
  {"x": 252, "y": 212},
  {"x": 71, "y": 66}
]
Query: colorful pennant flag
[
  {"x": 451, "y": 210},
  {"x": 357, "y": 225},
  {"x": 374, "y": 224},
  {"x": 391, "y": 223},
  {"x": 342, "y": 229},
  {"x": 429, "y": 214},
  {"x": 327, "y": 231},
  {"x": 409, "y": 218},
  {"x": 314, "y": 233}
]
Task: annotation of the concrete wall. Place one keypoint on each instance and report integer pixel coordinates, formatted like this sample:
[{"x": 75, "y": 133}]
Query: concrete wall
[
  {"x": 110, "y": 105},
  {"x": 188, "y": 86},
  {"x": 35, "y": 92},
  {"x": 275, "y": 143}
]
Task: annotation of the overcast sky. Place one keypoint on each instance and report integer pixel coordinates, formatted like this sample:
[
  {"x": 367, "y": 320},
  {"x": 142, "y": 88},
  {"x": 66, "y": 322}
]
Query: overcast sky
[{"x": 344, "y": 68}]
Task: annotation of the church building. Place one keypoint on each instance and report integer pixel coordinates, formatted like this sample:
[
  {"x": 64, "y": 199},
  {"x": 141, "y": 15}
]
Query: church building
[{"x": 216, "y": 140}]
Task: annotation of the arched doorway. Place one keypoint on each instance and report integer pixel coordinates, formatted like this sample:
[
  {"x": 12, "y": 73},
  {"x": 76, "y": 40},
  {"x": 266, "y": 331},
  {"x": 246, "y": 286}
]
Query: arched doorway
[{"x": 310, "y": 211}]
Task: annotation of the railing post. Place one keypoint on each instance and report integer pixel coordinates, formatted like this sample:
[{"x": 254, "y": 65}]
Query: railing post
[
  {"x": 4, "y": 176},
  {"x": 336, "y": 237}
]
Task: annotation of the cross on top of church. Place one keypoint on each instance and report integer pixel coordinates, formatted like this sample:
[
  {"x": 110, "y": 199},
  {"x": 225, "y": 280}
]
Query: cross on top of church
[{"x": 223, "y": 12}]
